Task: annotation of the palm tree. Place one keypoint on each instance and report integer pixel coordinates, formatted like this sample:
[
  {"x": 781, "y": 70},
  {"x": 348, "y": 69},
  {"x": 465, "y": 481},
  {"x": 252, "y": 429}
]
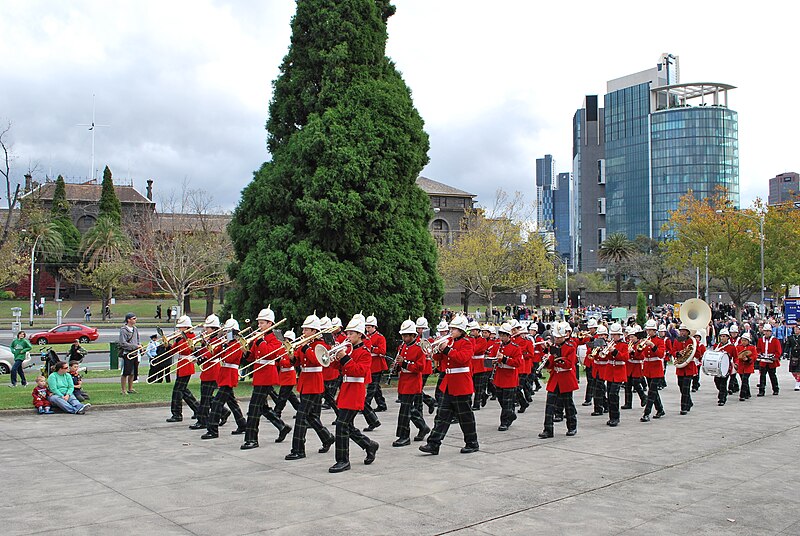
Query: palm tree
[
  {"x": 615, "y": 250},
  {"x": 104, "y": 242}
]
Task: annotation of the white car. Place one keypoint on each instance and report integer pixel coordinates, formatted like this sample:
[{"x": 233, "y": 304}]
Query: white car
[{"x": 7, "y": 360}]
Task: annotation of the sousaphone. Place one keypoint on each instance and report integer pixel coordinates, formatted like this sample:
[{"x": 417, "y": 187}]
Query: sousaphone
[{"x": 695, "y": 314}]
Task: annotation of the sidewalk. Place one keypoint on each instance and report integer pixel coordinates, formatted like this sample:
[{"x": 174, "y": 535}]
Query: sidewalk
[{"x": 719, "y": 470}]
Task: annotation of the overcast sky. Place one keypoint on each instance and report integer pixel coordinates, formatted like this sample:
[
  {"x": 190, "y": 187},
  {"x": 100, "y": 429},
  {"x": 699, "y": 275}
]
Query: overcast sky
[{"x": 185, "y": 86}]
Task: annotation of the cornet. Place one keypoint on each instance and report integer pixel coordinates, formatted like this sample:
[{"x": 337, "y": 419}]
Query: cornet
[{"x": 327, "y": 356}]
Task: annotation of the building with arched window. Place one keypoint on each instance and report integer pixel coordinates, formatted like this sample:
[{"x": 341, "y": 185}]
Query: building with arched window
[{"x": 450, "y": 206}]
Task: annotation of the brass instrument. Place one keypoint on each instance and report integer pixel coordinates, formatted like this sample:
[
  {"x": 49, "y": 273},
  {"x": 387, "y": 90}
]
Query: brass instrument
[
  {"x": 327, "y": 356},
  {"x": 245, "y": 343},
  {"x": 643, "y": 344},
  {"x": 164, "y": 340},
  {"x": 683, "y": 357},
  {"x": 695, "y": 314}
]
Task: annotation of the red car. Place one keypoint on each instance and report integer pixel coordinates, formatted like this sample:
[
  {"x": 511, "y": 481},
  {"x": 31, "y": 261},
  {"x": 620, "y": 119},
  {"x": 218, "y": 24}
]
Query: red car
[{"x": 65, "y": 334}]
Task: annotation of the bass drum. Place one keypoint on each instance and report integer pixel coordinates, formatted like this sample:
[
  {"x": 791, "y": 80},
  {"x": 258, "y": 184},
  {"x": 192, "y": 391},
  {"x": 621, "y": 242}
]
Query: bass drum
[{"x": 716, "y": 363}]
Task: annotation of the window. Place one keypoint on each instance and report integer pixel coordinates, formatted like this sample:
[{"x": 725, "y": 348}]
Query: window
[
  {"x": 436, "y": 201},
  {"x": 460, "y": 202},
  {"x": 439, "y": 225},
  {"x": 601, "y": 235},
  {"x": 601, "y": 206},
  {"x": 601, "y": 171}
]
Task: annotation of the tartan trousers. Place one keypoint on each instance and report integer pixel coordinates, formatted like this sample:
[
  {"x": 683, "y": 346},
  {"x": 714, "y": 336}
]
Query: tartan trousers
[
  {"x": 426, "y": 398},
  {"x": 259, "y": 405},
  {"x": 374, "y": 391},
  {"x": 438, "y": 394},
  {"x": 330, "y": 394},
  {"x": 653, "y": 396},
  {"x": 634, "y": 384},
  {"x": 565, "y": 401},
  {"x": 479, "y": 384},
  {"x": 590, "y": 380},
  {"x": 506, "y": 397},
  {"x": 409, "y": 412},
  {"x": 525, "y": 383},
  {"x": 345, "y": 431},
  {"x": 600, "y": 398},
  {"x": 308, "y": 415},
  {"x": 286, "y": 394},
  {"x": 613, "y": 400},
  {"x": 744, "y": 392},
  {"x": 224, "y": 396},
  {"x": 461, "y": 406},
  {"x": 180, "y": 393},
  {"x": 204, "y": 407},
  {"x": 685, "y": 385}
]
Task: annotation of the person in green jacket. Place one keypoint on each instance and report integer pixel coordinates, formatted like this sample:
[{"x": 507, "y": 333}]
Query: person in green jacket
[
  {"x": 60, "y": 384},
  {"x": 19, "y": 347}
]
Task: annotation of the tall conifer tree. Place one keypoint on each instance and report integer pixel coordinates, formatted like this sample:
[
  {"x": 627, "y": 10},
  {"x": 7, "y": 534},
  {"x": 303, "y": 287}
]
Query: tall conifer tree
[
  {"x": 110, "y": 207},
  {"x": 335, "y": 222}
]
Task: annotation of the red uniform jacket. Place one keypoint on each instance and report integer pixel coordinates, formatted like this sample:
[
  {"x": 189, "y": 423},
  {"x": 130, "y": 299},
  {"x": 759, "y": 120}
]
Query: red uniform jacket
[
  {"x": 209, "y": 366},
  {"x": 729, "y": 349},
  {"x": 412, "y": 364},
  {"x": 455, "y": 363},
  {"x": 492, "y": 347},
  {"x": 185, "y": 359},
  {"x": 510, "y": 358},
  {"x": 310, "y": 381},
  {"x": 748, "y": 365},
  {"x": 231, "y": 356},
  {"x": 355, "y": 377},
  {"x": 600, "y": 363},
  {"x": 263, "y": 351},
  {"x": 526, "y": 347},
  {"x": 287, "y": 375},
  {"x": 428, "y": 368},
  {"x": 478, "y": 354},
  {"x": 538, "y": 349},
  {"x": 635, "y": 367},
  {"x": 562, "y": 370},
  {"x": 770, "y": 347},
  {"x": 691, "y": 368},
  {"x": 669, "y": 351},
  {"x": 654, "y": 359},
  {"x": 616, "y": 370},
  {"x": 376, "y": 343}
]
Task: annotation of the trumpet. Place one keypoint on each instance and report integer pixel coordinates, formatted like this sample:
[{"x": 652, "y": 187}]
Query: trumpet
[
  {"x": 327, "y": 356},
  {"x": 431, "y": 348},
  {"x": 642, "y": 345},
  {"x": 607, "y": 350}
]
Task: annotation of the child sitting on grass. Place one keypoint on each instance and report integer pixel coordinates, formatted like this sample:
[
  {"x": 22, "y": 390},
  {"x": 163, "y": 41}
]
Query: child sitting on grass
[
  {"x": 77, "y": 381},
  {"x": 40, "y": 396}
]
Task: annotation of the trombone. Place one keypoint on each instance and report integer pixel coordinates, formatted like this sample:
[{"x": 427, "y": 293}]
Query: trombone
[
  {"x": 290, "y": 347},
  {"x": 164, "y": 340},
  {"x": 245, "y": 342}
]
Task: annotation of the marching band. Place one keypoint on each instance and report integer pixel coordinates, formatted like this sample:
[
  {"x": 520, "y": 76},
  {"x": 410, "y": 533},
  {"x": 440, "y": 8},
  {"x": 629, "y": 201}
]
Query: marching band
[{"x": 475, "y": 363}]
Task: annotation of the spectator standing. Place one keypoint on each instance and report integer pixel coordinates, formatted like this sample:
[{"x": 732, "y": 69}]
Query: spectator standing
[
  {"x": 128, "y": 343},
  {"x": 158, "y": 312},
  {"x": 87, "y": 314},
  {"x": 41, "y": 396},
  {"x": 61, "y": 389},
  {"x": 19, "y": 348}
]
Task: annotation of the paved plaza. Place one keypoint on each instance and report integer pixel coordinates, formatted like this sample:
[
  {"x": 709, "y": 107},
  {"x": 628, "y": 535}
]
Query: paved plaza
[{"x": 719, "y": 470}]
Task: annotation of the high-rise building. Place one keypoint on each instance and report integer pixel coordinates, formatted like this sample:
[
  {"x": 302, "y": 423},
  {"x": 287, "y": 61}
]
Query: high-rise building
[
  {"x": 545, "y": 177},
  {"x": 562, "y": 215},
  {"x": 589, "y": 180},
  {"x": 663, "y": 139},
  {"x": 784, "y": 187}
]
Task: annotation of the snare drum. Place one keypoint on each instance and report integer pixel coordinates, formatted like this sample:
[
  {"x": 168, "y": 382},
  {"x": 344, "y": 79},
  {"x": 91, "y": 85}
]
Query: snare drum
[{"x": 716, "y": 363}]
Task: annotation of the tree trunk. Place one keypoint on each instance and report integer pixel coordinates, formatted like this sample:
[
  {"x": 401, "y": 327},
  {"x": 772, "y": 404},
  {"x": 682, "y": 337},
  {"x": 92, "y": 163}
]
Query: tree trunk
[
  {"x": 538, "y": 295},
  {"x": 187, "y": 304},
  {"x": 222, "y": 295},
  {"x": 57, "y": 280},
  {"x": 618, "y": 277},
  {"x": 210, "y": 301}
]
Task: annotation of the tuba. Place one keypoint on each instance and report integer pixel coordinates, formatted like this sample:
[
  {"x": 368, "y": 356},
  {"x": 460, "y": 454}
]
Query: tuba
[{"x": 696, "y": 314}]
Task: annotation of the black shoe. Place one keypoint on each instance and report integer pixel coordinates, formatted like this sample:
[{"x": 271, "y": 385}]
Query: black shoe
[
  {"x": 684, "y": 412},
  {"x": 325, "y": 406},
  {"x": 694, "y": 390},
  {"x": 558, "y": 419},
  {"x": 421, "y": 434},
  {"x": 371, "y": 450},
  {"x": 372, "y": 427},
  {"x": 209, "y": 435},
  {"x": 175, "y": 419},
  {"x": 431, "y": 406},
  {"x": 572, "y": 432},
  {"x": 326, "y": 445},
  {"x": 545, "y": 435},
  {"x": 239, "y": 431},
  {"x": 643, "y": 403},
  {"x": 775, "y": 393},
  {"x": 194, "y": 415},
  {"x": 586, "y": 404},
  {"x": 502, "y": 428},
  {"x": 283, "y": 433},
  {"x": 339, "y": 467},
  {"x": 523, "y": 408},
  {"x": 469, "y": 449},
  {"x": 397, "y": 401},
  {"x": 476, "y": 408},
  {"x": 80, "y": 412},
  {"x": 626, "y": 406},
  {"x": 249, "y": 445},
  {"x": 596, "y": 413},
  {"x": 612, "y": 422},
  {"x": 760, "y": 394},
  {"x": 605, "y": 410},
  {"x": 483, "y": 401},
  {"x": 529, "y": 399},
  {"x": 645, "y": 418},
  {"x": 427, "y": 448},
  {"x": 380, "y": 409},
  {"x": 197, "y": 426},
  {"x": 294, "y": 456},
  {"x": 224, "y": 419},
  {"x": 659, "y": 415},
  {"x": 401, "y": 442}
]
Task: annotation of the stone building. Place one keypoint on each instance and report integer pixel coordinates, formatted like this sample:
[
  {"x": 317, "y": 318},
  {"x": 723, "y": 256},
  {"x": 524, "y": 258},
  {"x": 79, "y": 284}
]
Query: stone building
[{"x": 450, "y": 206}]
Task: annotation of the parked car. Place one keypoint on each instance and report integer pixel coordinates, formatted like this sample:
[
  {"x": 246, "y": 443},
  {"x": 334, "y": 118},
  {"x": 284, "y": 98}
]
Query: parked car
[
  {"x": 7, "y": 359},
  {"x": 65, "y": 334}
]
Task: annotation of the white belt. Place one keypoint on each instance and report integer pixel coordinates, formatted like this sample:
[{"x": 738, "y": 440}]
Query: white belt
[
  {"x": 618, "y": 363},
  {"x": 230, "y": 365},
  {"x": 562, "y": 369},
  {"x": 289, "y": 369},
  {"x": 477, "y": 357},
  {"x": 311, "y": 369},
  {"x": 458, "y": 370},
  {"x": 503, "y": 365},
  {"x": 652, "y": 359},
  {"x": 352, "y": 379},
  {"x": 266, "y": 361},
  {"x": 635, "y": 361}
]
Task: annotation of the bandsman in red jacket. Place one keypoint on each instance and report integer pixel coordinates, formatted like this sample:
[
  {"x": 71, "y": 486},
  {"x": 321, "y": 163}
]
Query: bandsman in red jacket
[
  {"x": 588, "y": 361},
  {"x": 538, "y": 355},
  {"x": 456, "y": 390},
  {"x": 729, "y": 349},
  {"x": 310, "y": 386},
  {"x": 480, "y": 374},
  {"x": 287, "y": 379},
  {"x": 616, "y": 371},
  {"x": 635, "y": 381},
  {"x": 229, "y": 354},
  {"x": 506, "y": 378},
  {"x": 330, "y": 374},
  {"x": 599, "y": 364},
  {"x": 356, "y": 369},
  {"x": 733, "y": 382},
  {"x": 519, "y": 336},
  {"x": 687, "y": 372},
  {"x": 409, "y": 364},
  {"x": 266, "y": 352},
  {"x": 437, "y": 357},
  {"x": 746, "y": 355},
  {"x": 769, "y": 359},
  {"x": 653, "y": 355},
  {"x": 180, "y": 389},
  {"x": 662, "y": 333},
  {"x": 209, "y": 373},
  {"x": 488, "y": 332},
  {"x": 376, "y": 344},
  {"x": 421, "y": 328},
  {"x": 561, "y": 362}
]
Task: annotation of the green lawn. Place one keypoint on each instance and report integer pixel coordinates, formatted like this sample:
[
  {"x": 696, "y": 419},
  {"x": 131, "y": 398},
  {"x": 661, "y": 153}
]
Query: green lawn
[{"x": 144, "y": 309}]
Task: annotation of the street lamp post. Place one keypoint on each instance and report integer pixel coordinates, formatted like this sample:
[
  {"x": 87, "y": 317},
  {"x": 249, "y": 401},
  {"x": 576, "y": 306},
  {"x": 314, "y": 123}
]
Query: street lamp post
[
  {"x": 760, "y": 220},
  {"x": 33, "y": 261}
]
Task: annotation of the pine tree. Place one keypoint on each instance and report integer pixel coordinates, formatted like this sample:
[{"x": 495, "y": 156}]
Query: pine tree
[
  {"x": 60, "y": 207},
  {"x": 110, "y": 207},
  {"x": 61, "y": 217},
  {"x": 335, "y": 222},
  {"x": 641, "y": 308}
]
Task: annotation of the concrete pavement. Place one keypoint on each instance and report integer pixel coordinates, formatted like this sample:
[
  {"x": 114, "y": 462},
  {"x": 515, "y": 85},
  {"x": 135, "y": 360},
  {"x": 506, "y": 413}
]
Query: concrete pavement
[{"x": 728, "y": 469}]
